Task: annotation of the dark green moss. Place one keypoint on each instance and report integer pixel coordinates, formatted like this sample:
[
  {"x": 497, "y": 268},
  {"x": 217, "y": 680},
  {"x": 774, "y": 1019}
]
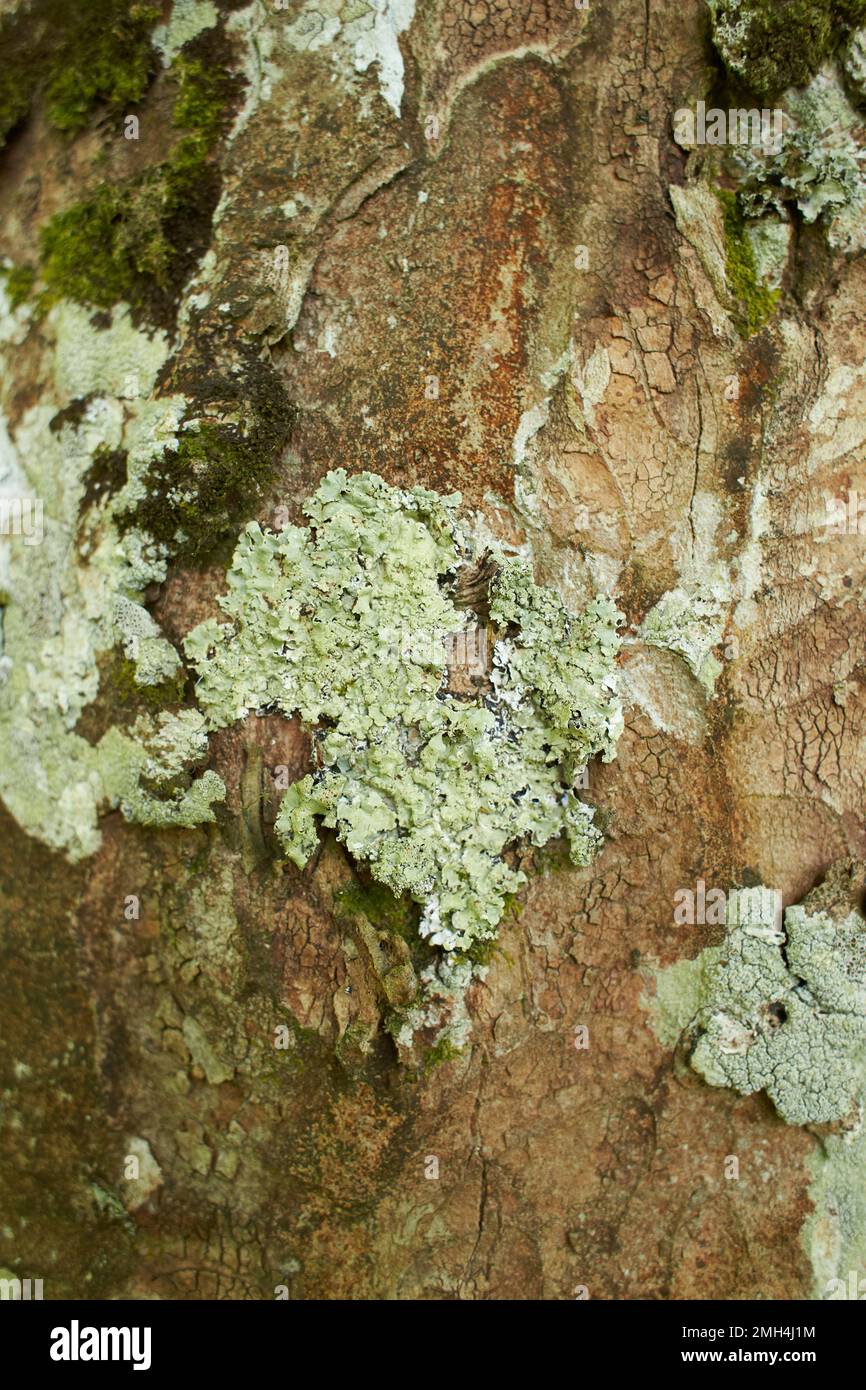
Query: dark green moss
[
  {"x": 210, "y": 486},
  {"x": 120, "y": 700},
  {"x": 20, "y": 280},
  {"x": 753, "y": 304},
  {"x": 15, "y": 96},
  {"x": 77, "y": 56},
  {"x": 201, "y": 100},
  {"x": 126, "y": 690},
  {"x": 107, "y": 59},
  {"x": 378, "y": 904},
  {"x": 484, "y": 953},
  {"x": 138, "y": 240},
  {"x": 782, "y": 43},
  {"x": 204, "y": 488},
  {"x": 81, "y": 256}
]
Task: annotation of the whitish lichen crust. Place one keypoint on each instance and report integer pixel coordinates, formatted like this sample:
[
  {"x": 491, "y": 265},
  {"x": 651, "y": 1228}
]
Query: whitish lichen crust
[
  {"x": 820, "y": 165},
  {"x": 71, "y": 599},
  {"x": 346, "y": 622}
]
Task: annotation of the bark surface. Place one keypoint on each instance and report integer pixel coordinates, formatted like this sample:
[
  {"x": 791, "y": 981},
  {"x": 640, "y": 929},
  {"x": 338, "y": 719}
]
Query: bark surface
[{"x": 443, "y": 248}]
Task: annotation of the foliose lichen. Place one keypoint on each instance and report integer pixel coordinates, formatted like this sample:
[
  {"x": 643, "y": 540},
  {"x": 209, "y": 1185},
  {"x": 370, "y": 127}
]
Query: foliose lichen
[
  {"x": 148, "y": 775},
  {"x": 780, "y": 1009},
  {"x": 345, "y": 622},
  {"x": 77, "y": 595},
  {"x": 819, "y": 166}
]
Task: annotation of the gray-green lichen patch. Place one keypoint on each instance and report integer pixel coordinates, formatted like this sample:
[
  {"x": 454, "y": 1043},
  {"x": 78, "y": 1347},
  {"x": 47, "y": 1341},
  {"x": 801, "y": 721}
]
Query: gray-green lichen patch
[
  {"x": 780, "y": 1010},
  {"x": 349, "y": 622},
  {"x": 853, "y": 59},
  {"x": 770, "y": 239},
  {"x": 690, "y": 621},
  {"x": 147, "y": 775},
  {"x": 360, "y": 35},
  {"x": 834, "y": 1235},
  {"x": 780, "y": 1006},
  {"x": 819, "y": 166},
  {"x": 78, "y": 592},
  {"x": 188, "y": 19}
]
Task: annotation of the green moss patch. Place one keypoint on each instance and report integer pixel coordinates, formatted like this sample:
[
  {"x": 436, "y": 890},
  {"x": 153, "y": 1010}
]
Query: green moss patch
[
  {"x": 78, "y": 55},
  {"x": 395, "y": 915},
  {"x": 754, "y": 303},
  {"x": 19, "y": 280},
  {"x": 138, "y": 240},
  {"x": 218, "y": 473},
  {"x": 770, "y": 45}
]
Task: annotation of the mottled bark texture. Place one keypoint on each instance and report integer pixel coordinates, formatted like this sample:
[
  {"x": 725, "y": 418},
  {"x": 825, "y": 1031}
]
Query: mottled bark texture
[{"x": 458, "y": 245}]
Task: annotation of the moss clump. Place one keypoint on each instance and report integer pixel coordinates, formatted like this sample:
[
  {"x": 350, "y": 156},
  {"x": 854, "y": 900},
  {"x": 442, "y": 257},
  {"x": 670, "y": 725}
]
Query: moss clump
[
  {"x": 754, "y": 303},
  {"x": 126, "y": 690},
  {"x": 108, "y": 58},
  {"x": 121, "y": 698},
  {"x": 382, "y": 910},
  {"x": 79, "y": 55},
  {"x": 444, "y": 1050},
  {"x": 771, "y": 46},
  {"x": 80, "y": 256},
  {"x": 197, "y": 493},
  {"x": 20, "y": 280},
  {"x": 132, "y": 240},
  {"x": 201, "y": 103}
]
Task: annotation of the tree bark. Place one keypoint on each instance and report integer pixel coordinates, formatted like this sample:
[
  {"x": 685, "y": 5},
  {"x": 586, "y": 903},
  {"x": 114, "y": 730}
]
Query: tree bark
[{"x": 443, "y": 248}]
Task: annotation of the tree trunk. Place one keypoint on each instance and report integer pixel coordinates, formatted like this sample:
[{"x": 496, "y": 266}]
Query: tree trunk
[{"x": 462, "y": 247}]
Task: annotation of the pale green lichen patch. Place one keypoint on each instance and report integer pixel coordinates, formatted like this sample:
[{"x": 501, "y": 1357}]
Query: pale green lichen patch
[
  {"x": 690, "y": 619},
  {"x": 345, "y": 622},
  {"x": 780, "y": 1010},
  {"x": 834, "y": 1235},
  {"x": 188, "y": 19},
  {"x": 78, "y": 593},
  {"x": 853, "y": 59},
  {"x": 819, "y": 165},
  {"x": 147, "y": 775}
]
